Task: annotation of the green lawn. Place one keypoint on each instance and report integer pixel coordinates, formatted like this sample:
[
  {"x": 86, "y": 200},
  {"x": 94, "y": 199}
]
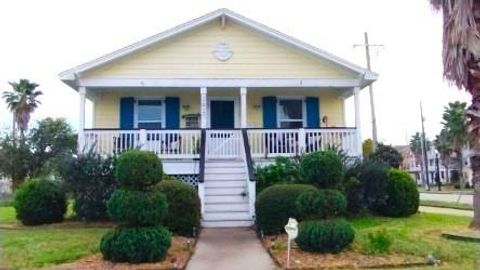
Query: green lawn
[
  {"x": 40, "y": 246},
  {"x": 7, "y": 215},
  {"x": 419, "y": 235}
]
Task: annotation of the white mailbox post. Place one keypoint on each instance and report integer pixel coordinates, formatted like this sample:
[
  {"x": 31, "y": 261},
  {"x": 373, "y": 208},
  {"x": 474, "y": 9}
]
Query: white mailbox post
[{"x": 292, "y": 231}]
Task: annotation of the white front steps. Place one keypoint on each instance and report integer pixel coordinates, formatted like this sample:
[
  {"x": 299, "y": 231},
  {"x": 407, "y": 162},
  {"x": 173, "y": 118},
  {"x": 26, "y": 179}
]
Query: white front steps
[{"x": 226, "y": 194}]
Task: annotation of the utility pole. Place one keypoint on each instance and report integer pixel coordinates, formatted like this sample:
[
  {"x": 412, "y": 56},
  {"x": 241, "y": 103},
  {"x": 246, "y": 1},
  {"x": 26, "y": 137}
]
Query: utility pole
[
  {"x": 370, "y": 89},
  {"x": 424, "y": 150}
]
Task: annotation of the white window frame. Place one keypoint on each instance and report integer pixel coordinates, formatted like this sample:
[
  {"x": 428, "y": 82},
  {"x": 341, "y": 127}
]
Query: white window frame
[
  {"x": 163, "y": 108},
  {"x": 304, "y": 110}
]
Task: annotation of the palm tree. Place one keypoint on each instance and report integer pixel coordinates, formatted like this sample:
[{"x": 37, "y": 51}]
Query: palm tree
[
  {"x": 22, "y": 101},
  {"x": 444, "y": 148},
  {"x": 455, "y": 131},
  {"x": 416, "y": 147},
  {"x": 461, "y": 58}
]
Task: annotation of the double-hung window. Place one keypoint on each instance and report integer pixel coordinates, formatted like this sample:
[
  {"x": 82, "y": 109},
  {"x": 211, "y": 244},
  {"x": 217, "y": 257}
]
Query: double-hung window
[
  {"x": 290, "y": 113},
  {"x": 150, "y": 114}
]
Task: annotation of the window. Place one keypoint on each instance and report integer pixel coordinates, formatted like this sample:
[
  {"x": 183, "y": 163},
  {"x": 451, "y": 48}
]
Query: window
[
  {"x": 150, "y": 114},
  {"x": 290, "y": 113}
]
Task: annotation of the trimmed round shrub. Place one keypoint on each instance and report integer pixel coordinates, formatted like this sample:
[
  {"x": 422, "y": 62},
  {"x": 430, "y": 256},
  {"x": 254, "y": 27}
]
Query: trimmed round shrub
[
  {"x": 326, "y": 236},
  {"x": 320, "y": 204},
  {"x": 276, "y": 204},
  {"x": 323, "y": 169},
  {"x": 138, "y": 169},
  {"x": 136, "y": 244},
  {"x": 40, "y": 202},
  {"x": 183, "y": 207},
  {"x": 402, "y": 195},
  {"x": 135, "y": 207}
]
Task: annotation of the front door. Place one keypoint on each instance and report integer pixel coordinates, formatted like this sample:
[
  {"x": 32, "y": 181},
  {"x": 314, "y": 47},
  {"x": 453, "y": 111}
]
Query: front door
[{"x": 222, "y": 114}]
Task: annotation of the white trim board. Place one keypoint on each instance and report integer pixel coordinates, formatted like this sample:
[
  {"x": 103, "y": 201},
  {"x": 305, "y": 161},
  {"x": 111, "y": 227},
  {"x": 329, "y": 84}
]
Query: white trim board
[
  {"x": 236, "y": 82},
  {"x": 71, "y": 75}
]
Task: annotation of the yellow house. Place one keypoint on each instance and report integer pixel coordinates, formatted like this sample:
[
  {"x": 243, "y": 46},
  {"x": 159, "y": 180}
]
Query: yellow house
[{"x": 212, "y": 96}]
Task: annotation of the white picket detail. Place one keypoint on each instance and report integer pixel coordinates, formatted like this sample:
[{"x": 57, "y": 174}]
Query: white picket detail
[
  {"x": 108, "y": 142},
  {"x": 165, "y": 143},
  {"x": 273, "y": 142},
  {"x": 223, "y": 144},
  {"x": 268, "y": 143},
  {"x": 321, "y": 139}
]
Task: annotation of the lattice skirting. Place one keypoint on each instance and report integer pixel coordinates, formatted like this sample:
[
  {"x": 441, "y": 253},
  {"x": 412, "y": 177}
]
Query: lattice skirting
[{"x": 191, "y": 179}]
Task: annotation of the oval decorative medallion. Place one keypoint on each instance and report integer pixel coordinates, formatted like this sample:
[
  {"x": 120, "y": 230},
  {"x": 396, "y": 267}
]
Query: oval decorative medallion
[{"x": 222, "y": 51}]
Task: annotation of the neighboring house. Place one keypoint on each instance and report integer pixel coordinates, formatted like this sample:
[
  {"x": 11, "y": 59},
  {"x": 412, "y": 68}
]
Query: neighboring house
[
  {"x": 413, "y": 166},
  {"x": 214, "y": 95}
]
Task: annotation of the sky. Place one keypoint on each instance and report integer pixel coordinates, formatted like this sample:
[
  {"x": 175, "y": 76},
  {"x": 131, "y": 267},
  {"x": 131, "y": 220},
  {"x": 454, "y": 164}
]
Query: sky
[{"x": 40, "y": 39}]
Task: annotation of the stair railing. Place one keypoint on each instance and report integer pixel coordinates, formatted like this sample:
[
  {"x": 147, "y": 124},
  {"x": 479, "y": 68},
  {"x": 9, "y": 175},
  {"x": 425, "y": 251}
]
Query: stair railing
[{"x": 248, "y": 156}]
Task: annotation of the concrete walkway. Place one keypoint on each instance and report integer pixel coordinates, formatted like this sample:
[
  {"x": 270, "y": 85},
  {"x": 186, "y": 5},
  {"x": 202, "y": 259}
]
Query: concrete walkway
[
  {"x": 447, "y": 197},
  {"x": 446, "y": 211},
  {"x": 229, "y": 249}
]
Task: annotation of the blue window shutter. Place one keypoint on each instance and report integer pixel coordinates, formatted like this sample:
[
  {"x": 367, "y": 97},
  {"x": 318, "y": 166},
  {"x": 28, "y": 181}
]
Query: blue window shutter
[
  {"x": 269, "y": 112},
  {"x": 172, "y": 111},
  {"x": 313, "y": 112},
  {"x": 126, "y": 112}
]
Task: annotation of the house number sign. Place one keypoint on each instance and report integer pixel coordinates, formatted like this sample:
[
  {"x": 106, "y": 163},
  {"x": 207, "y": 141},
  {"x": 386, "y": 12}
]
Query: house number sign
[{"x": 292, "y": 230}]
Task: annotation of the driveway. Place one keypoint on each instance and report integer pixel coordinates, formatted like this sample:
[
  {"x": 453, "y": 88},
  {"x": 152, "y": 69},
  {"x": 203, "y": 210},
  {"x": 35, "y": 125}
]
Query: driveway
[
  {"x": 232, "y": 249},
  {"x": 447, "y": 197}
]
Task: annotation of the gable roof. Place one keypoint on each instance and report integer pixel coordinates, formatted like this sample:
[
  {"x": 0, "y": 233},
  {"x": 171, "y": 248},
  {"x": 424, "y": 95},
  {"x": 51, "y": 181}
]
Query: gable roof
[{"x": 71, "y": 74}]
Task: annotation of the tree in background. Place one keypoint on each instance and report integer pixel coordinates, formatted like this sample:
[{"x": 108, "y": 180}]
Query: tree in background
[
  {"x": 461, "y": 58},
  {"x": 416, "y": 147},
  {"x": 455, "y": 131},
  {"x": 15, "y": 160},
  {"x": 22, "y": 102},
  {"x": 51, "y": 141},
  {"x": 444, "y": 148},
  {"x": 387, "y": 154},
  {"x": 44, "y": 147},
  {"x": 367, "y": 148}
]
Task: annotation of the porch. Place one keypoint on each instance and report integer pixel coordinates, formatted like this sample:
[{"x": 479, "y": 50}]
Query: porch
[{"x": 286, "y": 120}]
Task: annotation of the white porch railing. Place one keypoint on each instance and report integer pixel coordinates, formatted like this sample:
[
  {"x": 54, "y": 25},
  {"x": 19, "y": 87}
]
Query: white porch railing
[
  {"x": 267, "y": 143},
  {"x": 185, "y": 143},
  {"x": 165, "y": 143},
  {"x": 223, "y": 144}
]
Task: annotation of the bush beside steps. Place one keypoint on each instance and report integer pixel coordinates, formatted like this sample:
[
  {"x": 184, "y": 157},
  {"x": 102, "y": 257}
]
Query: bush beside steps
[{"x": 139, "y": 209}]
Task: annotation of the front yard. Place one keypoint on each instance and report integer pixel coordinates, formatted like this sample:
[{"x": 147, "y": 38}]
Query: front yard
[
  {"x": 33, "y": 247},
  {"x": 417, "y": 236},
  {"x": 412, "y": 238}
]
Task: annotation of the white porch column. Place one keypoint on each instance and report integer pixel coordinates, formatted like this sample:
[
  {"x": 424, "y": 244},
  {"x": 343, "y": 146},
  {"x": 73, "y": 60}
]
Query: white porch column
[
  {"x": 203, "y": 107},
  {"x": 358, "y": 124},
  {"x": 243, "y": 106},
  {"x": 81, "y": 118}
]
